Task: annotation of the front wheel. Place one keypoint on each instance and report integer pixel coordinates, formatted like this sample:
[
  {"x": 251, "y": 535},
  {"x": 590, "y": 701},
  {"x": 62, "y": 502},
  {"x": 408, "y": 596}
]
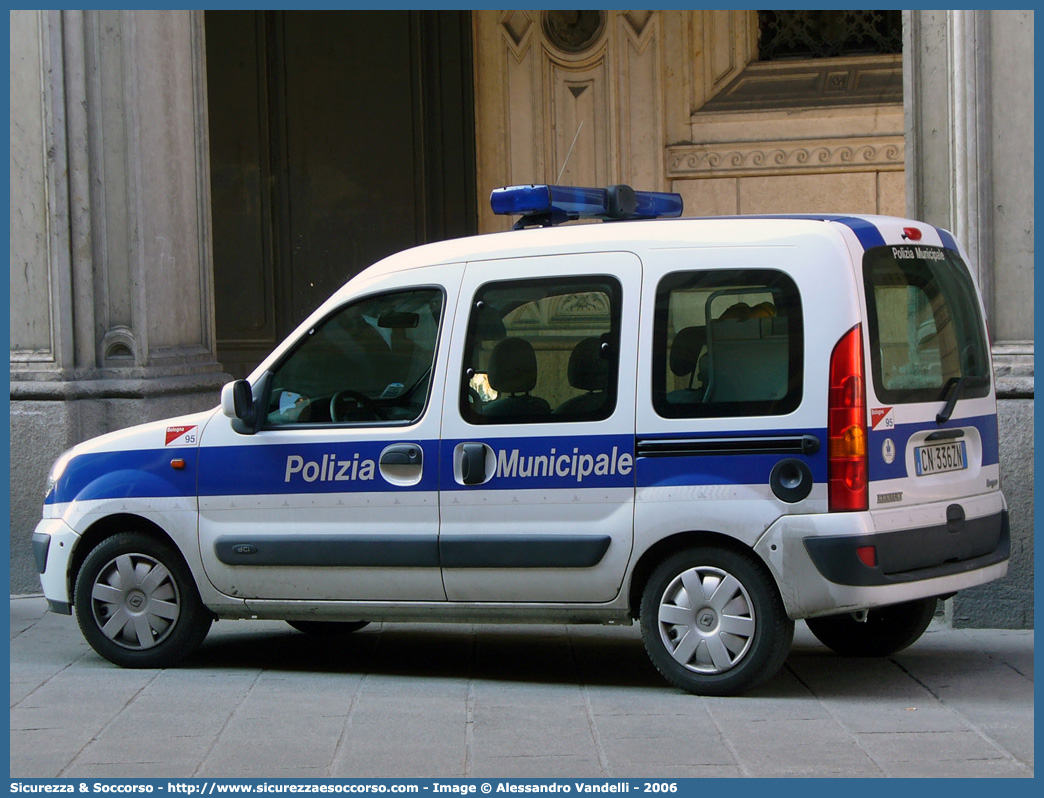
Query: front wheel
[
  {"x": 885, "y": 631},
  {"x": 713, "y": 622},
  {"x": 137, "y": 604}
]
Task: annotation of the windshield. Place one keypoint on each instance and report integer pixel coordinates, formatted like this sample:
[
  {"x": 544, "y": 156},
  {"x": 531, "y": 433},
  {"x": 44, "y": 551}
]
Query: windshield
[{"x": 926, "y": 330}]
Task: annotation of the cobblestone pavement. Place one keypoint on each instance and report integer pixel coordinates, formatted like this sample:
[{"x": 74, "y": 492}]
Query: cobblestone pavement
[{"x": 410, "y": 700}]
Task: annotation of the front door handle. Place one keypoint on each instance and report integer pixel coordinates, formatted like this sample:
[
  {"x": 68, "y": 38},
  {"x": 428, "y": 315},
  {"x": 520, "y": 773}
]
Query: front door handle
[
  {"x": 402, "y": 464},
  {"x": 402, "y": 454}
]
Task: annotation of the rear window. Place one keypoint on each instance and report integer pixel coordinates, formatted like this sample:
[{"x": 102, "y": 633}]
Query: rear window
[{"x": 926, "y": 330}]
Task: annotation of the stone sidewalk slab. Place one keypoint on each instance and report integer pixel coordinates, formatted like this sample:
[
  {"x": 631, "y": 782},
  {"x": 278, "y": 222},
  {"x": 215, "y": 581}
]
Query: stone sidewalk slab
[{"x": 425, "y": 700}]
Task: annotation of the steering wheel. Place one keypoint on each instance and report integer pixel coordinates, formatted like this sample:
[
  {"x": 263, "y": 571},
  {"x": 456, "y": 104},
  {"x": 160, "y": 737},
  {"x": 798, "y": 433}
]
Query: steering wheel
[{"x": 344, "y": 402}]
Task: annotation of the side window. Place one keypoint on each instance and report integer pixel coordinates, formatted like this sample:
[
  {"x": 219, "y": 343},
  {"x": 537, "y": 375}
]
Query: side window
[
  {"x": 542, "y": 351},
  {"x": 368, "y": 361},
  {"x": 727, "y": 343}
]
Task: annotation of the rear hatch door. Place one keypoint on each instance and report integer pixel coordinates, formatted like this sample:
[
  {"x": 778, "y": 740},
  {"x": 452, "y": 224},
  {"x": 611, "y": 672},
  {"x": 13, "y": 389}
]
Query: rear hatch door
[{"x": 931, "y": 403}]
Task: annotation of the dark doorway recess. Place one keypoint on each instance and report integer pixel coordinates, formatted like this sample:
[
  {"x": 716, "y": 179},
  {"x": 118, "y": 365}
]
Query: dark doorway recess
[{"x": 336, "y": 138}]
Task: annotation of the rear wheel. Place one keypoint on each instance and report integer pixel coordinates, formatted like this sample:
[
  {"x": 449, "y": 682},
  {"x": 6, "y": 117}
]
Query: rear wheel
[
  {"x": 328, "y": 627},
  {"x": 885, "y": 631},
  {"x": 137, "y": 604},
  {"x": 713, "y": 622}
]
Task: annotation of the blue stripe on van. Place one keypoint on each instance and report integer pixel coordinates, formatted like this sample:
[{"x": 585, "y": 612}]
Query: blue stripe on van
[
  {"x": 330, "y": 467},
  {"x": 867, "y": 233},
  {"x": 334, "y": 467},
  {"x": 948, "y": 241},
  {"x": 901, "y": 434},
  {"x": 126, "y": 475},
  {"x": 733, "y": 468},
  {"x": 549, "y": 462},
  {"x": 572, "y": 463}
]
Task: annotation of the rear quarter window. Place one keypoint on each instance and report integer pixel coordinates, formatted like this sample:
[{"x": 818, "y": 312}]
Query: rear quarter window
[{"x": 727, "y": 343}]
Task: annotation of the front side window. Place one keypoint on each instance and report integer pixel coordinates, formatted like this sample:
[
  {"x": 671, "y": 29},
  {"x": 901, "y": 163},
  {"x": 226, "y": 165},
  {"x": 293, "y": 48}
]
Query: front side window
[
  {"x": 727, "y": 343},
  {"x": 542, "y": 351},
  {"x": 370, "y": 361},
  {"x": 926, "y": 330}
]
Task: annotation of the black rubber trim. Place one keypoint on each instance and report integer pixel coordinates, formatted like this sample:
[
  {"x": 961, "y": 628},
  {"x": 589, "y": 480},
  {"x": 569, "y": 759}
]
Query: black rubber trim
[
  {"x": 59, "y": 607},
  {"x": 523, "y": 551},
  {"x": 41, "y": 543},
  {"x": 910, "y": 555},
  {"x": 945, "y": 435},
  {"x": 695, "y": 447},
  {"x": 330, "y": 551},
  {"x": 413, "y": 551}
]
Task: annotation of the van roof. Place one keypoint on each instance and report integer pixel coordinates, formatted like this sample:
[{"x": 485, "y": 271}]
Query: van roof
[{"x": 645, "y": 235}]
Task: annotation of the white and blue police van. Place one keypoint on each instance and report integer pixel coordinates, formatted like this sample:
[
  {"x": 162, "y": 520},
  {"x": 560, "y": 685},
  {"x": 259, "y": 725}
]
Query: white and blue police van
[{"x": 713, "y": 427}]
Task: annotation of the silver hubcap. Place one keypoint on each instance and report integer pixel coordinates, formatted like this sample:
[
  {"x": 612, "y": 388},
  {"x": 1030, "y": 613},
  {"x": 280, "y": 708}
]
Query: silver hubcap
[
  {"x": 706, "y": 620},
  {"x": 135, "y": 601}
]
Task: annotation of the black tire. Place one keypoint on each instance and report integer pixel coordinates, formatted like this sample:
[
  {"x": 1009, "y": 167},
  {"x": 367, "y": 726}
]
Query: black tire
[
  {"x": 747, "y": 653},
  {"x": 886, "y": 630},
  {"x": 160, "y": 581},
  {"x": 328, "y": 627}
]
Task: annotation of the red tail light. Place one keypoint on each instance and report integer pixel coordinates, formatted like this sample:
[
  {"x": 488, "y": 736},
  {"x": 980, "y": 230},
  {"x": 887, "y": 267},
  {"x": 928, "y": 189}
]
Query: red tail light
[
  {"x": 848, "y": 468},
  {"x": 867, "y": 556}
]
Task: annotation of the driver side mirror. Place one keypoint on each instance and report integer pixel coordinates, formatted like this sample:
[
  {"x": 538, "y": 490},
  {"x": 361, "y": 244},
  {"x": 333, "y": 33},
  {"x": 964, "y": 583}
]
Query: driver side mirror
[{"x": 237, "y": 402}]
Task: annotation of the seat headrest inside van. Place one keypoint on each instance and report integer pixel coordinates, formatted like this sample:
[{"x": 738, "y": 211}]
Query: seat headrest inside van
[
  {"x": 685, "y": 351},
  {"x": 512, "y": 366},
  {"x": 588, "y": 370}
]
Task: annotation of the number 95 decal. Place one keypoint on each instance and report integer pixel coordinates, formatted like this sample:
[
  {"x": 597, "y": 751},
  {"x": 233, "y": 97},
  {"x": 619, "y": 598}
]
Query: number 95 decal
[{"x": 181, "y": 436}]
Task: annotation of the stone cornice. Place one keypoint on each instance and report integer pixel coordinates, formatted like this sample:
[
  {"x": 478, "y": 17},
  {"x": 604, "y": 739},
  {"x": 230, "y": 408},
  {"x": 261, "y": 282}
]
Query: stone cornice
[
  {"x": 130, "y": 388},
  {"x": 788, "y": 157},
  {"x": 875, "y": 80}
]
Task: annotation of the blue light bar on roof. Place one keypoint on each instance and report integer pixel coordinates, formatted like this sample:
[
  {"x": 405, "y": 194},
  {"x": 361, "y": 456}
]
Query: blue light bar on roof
[{"x": 546, "y": 205}]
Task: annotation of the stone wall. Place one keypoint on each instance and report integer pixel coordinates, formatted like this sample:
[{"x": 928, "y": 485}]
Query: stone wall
[
  {"x": 673, "y": 100},
  {"x": 111, "y": 273}
]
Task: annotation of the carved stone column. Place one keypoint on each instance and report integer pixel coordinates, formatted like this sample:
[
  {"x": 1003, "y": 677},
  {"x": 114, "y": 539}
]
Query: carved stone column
[
  {"x": 948, "y": 128},
  {"x": 111, "y": 272}
]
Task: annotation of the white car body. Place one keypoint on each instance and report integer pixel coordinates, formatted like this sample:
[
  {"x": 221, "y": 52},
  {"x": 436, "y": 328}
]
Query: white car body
[{"x": 305, "y": 522}]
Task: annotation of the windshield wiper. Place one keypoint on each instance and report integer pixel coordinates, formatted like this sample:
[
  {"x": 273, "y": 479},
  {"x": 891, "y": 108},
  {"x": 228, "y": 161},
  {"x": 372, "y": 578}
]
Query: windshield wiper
[{"x": 952, "y": 391}]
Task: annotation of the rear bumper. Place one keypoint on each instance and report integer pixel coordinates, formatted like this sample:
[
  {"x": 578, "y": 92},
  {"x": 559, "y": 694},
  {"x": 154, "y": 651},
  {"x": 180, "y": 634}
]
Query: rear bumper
[
  {"x": 813, "y": 558},
  {"x": 913, "y": 554}
]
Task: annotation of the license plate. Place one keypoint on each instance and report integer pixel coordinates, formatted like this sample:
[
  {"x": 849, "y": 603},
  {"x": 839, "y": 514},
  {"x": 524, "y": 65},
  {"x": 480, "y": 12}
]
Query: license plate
[{"x": 940, "y": 458}]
